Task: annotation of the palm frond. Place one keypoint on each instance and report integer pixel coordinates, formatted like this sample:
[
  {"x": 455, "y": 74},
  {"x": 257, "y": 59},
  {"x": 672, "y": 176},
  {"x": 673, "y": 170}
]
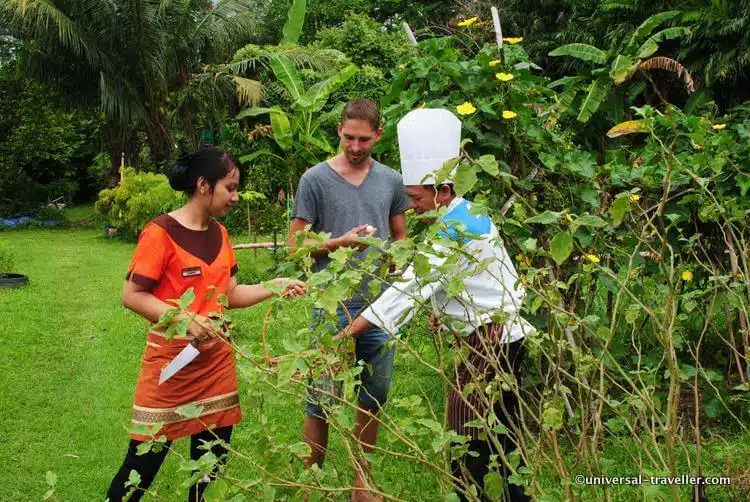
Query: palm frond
[{"x": 249, "y": 92}]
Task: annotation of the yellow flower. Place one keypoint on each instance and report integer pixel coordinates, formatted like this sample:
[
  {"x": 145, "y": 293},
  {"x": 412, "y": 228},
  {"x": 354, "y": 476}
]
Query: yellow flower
[
  {"x": 634, "y": 197},
  {"x": 687, "y": 275},
  {"x": 698, "y": 147},
  {"x": 719, "y": 127},
  {"x": 468, "y": 22},
  {"x": 513, "y": 40},
  {"x": 504, "y": 77},
  {"x": 507, "y": 114},
  {"x": 592, "y": 258},
  {"x": 495, "y": 62},
  {"x": 568, "y": 217},
  {"x": 466, "y": 108},
  {"x": 401, "y": 67}
]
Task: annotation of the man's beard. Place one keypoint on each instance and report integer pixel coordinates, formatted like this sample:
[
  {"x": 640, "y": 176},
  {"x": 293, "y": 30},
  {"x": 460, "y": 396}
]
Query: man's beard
[{"x": 359, "y": 159}]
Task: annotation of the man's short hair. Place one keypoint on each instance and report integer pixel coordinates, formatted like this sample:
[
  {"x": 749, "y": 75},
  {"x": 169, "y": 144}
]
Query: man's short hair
[{"x": 362, "y": 109}]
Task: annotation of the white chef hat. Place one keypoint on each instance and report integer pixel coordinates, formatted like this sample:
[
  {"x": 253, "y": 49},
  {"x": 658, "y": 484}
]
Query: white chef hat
[{"x": 427, "y": 137}]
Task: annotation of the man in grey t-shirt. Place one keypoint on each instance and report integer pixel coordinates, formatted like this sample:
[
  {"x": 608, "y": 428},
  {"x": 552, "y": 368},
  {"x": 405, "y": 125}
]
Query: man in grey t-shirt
[{"x": 344, "y": 196}]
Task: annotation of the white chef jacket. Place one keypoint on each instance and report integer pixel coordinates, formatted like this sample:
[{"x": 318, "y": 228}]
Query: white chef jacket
[{"x": 490, "y": 289}]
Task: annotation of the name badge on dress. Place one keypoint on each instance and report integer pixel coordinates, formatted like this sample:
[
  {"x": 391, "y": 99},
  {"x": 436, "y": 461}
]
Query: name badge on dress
[{"x": 191, "y": 271}]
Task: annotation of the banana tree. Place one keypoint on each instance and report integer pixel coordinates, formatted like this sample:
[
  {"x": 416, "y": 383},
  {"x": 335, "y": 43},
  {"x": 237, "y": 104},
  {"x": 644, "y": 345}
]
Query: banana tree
[
  {"x": 618, "y": 65},
  {"x": 297, "y": 131}
]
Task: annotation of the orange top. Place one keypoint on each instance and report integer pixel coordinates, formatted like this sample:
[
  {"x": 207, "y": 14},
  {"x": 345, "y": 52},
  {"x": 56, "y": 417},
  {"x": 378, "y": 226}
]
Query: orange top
[
  {"x": 168, "y": 260},
  {"x": 171, "y": 258}
]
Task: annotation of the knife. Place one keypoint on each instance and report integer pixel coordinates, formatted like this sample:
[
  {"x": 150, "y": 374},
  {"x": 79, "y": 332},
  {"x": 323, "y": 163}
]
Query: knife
[{"x": 184, "y": 358}]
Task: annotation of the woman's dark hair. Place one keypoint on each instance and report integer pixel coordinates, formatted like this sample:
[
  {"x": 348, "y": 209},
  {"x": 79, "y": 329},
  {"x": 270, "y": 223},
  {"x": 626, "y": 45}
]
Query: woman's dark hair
[{"x": 210, "y": 162}]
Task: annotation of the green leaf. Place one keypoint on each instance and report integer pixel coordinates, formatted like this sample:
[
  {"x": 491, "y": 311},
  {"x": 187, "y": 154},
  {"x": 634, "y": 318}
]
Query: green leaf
[
  {"x": 300, "y": 449},
  {"x": 134, "y": 479},
  {"x": 295, "y": 20},
  {"x": 618, "y": 209},
  {"x": 465, "y": 179},
  {"x": 288, "y": 367},
  {"x": 622, "y": 68},
  {"x": 561, "y": 247},
  {"x": 285, "y": 71},
  {"x": 430, "y": 424},
  {"x": 493, "y": 485},
  {"x": 187, "y": 298},
  {"x": 651, "y": 45},
  {"x": 647, "y": 26},
  {"x": 549, "y": 160},
  {"x": 253, "y": 112},
  {"x": 217, "y": 491},
  {"x": 489, "y": 164},
  {"x": 397, "y": 87},
  {"x": 580, "y": 163},
  {"x": 588, "y": 220},
  {"x": 282, "y": 129},
  {"x": 316, "y": 96},
  {"x": 529, "y": 245},
  {"x": 552, "y": 418},
  {"x": 544, "y": 218},
  {"x": 565, "y": 81},
  {"x": 597, "y": 93},
  {"x": 584, "y": 52},
  {"x": 190, "y": 411},
  {"x": 422, "y": 266},
  {"x": 246, "y": 159},
  {"x": 743, "y": 181}
]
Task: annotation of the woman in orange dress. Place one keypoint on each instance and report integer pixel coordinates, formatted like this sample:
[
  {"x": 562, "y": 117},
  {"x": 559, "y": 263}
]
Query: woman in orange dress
[{"x": 187, "y": 249}]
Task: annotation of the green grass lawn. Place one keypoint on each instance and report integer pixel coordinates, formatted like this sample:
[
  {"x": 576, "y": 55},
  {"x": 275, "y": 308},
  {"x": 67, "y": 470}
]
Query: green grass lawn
[{"x": 69, "y": 361}]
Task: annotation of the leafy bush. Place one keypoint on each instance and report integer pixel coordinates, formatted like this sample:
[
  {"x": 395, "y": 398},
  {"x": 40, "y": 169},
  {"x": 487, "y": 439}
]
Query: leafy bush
[
  {"x": 366, "y": 42},
  {"x": 138, "y": 199}
]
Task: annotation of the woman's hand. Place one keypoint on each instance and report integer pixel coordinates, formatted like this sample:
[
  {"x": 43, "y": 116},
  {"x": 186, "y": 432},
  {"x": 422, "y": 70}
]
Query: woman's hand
[
  {"x": 201, "y": 328},
  {"x": 292, "y": 287}
]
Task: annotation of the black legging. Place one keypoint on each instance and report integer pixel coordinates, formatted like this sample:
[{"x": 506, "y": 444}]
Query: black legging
[{"x": 148, "y": 465}]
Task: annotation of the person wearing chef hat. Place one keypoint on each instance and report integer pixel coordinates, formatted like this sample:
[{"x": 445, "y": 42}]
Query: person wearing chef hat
[{"x": 484, "y": 317}]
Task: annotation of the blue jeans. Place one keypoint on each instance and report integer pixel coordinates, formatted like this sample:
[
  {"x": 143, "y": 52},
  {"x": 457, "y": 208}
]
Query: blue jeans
[{"x": 370, "y": 347}]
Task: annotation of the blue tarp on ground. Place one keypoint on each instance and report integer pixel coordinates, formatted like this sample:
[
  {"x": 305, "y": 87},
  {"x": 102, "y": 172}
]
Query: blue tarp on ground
[{"x": 25, "y": 219}]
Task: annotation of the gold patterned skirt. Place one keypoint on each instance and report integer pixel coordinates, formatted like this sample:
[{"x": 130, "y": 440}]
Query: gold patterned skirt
[{"x": 209, "y": 382}]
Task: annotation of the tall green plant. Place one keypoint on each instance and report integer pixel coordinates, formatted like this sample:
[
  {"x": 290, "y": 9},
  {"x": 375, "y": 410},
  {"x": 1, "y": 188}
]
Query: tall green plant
[
  {"x": 618, "y": 65},
  {"x": 297, "y": 131}
]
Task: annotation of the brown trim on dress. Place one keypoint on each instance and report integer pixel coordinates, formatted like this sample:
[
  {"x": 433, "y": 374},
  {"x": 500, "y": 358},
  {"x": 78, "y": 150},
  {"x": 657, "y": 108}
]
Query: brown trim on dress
[
  {"x": 143, "y": 415},
  {"x": 203, "y": 244},
  {"x": 142, "y": 280}
]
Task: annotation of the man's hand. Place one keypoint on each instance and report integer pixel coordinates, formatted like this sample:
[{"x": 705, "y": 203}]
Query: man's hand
[
  {"x": 357, "y": 327},
  {"x": 353, "y": 237},
  {"x": 341, "y": 334}
]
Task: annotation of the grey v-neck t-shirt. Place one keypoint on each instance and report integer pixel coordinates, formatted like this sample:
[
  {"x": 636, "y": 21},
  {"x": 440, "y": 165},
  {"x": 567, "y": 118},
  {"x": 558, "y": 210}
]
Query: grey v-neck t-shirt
[{"x": 332, "y": 204}]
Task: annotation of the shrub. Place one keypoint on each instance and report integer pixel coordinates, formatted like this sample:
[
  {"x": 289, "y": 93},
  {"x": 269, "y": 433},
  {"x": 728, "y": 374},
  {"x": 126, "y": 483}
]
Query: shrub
[{"x": 138, "y": 199}]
